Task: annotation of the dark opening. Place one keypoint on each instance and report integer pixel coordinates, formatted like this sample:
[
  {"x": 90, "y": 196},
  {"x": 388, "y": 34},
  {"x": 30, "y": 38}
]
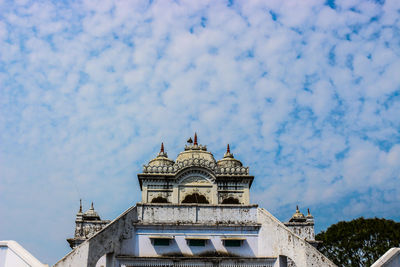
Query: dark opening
[
  {"x": 161, "y": 242},
  {"x": 195, "y": 198},
  {"x": 159, "y": 200},
  {"x": 197, "y": 242},
  {"x": 230, "y": 200},
  {"x": 232, "y": 243}
]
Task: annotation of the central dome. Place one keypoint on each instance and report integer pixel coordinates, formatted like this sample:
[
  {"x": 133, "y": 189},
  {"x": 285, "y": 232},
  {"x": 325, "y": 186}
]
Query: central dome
[{"x": 195, "y": 151}]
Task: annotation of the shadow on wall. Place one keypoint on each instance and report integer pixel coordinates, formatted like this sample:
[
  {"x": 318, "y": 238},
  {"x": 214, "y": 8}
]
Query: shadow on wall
[{"x": 243, "y": 251}]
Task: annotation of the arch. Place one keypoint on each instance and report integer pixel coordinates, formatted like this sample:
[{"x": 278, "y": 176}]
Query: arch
[
  {"x": 159, "y": 199},
  {"x": 195, "y": 198},
  {"x": 195, "y": 172},
  {"x": 230, "y": 200}
]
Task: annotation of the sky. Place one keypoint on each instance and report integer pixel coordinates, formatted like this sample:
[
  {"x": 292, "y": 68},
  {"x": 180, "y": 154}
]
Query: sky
[{"x": 307, "y": 94}]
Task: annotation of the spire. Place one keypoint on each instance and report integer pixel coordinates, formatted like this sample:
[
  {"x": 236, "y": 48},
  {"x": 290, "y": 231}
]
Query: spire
[
  {"x": 162, "y": 148},
  {"x": 91, "y": 207},
  {"x": 80, "y": 205},
  {"x": 228, "y": 153},
  {"x": 297, "y": 208},
  {"x": 195, "y": 139},
  {"x": 309, "y": 216}
]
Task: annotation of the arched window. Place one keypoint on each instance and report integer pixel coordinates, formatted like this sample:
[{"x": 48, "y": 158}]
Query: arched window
[
  {"x": 159, "y": 200},
  {"x": 195, "y": 198},
  {"x": 230, "y": 200}
]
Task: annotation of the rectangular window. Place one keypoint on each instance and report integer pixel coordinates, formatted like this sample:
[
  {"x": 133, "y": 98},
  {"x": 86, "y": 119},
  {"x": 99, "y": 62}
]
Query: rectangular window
[
  {"x": 232, "y": 243},
  {"x": 161, "y": 242},
  {"x": 197, "y": 242}
]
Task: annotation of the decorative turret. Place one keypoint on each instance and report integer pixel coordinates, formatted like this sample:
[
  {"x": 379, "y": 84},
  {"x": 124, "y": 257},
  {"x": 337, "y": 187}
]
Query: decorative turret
[
  {"x": 229, "y": 160},
  {"x": 91, "y": 214},
  {"x": 161, "y": 159},
  {"x": 87, "y": 224},
  {"x": 298, "y": 216},
  {"x": 303, "y": 226},
  {"x": 309, "y": 217}
]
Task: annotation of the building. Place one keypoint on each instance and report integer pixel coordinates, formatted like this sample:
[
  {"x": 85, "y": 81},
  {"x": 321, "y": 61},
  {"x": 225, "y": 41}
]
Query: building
[
  {"x": 13, "y": 254},
  {"x": 196, "y": 211}
]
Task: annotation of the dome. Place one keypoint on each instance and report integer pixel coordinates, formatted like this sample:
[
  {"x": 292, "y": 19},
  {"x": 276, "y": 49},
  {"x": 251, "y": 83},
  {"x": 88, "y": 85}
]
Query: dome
[
  {"x": 195, "y": 151},
  {"x": 229, "y": 160},
  {"x": 91, "y": 214},
  {"x": 161, "y": 159},
  {"x": 297, "y": 216}
]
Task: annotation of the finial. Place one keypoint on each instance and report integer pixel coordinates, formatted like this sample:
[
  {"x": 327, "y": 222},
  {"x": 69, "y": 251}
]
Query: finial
[
  {"x": 195, "y": 139},
  {"x": 80, "y": 205},
  {"x": 228, "y": 150},
  {"x": 308, "y": 211},
  {"x": 190, "y": 141},
  {"x": 297, "y": 208},
  {"x": 162, "y": 148},
  {"x": 91, "y": 207}
]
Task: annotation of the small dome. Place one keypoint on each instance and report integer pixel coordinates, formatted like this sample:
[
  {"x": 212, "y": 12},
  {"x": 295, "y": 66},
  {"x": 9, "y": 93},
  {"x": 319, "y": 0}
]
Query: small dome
[
  {"x": 195, "y": 151},
  {"x": 297, "y": 216},
  {"x": 91, "y": 214},
  {"x": 161, "y": 159},
  {"x": 229, "y": 160}
]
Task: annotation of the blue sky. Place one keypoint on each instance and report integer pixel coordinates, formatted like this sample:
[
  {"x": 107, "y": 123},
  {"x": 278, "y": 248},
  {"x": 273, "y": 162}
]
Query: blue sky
[{"x": 306, "y": 92}]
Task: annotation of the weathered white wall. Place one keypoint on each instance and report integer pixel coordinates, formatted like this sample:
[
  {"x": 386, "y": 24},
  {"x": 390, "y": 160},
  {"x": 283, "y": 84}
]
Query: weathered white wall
[
  {"x": 276, "y": 239},
  {"x": 197, "y": 213},
  {"x": 129, "y": 235}
]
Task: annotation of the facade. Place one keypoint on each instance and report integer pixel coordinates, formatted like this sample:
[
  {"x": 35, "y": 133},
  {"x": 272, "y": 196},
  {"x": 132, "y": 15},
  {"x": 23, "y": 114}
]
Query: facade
[
  {"x": 13, "y": 254},
  {"x": 196, "y": 211}
]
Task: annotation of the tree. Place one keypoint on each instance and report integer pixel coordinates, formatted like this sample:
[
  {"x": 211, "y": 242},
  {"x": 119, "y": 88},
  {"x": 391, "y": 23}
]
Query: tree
[{"x": 359, "y": 242}]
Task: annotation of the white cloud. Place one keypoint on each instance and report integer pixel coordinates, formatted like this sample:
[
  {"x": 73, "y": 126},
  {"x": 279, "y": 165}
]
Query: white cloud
[{"x": 305, "y": 94}]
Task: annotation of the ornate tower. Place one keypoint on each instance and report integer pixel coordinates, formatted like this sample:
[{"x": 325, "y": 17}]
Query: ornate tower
[
  {"x": 87, "y": 224},
  {"x": 195, "y": 177}
]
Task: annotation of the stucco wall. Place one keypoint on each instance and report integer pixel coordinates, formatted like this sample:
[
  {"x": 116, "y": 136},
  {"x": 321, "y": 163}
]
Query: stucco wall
[
  {"x": 129, "y": 235},
  {"x": 276, "y": 239}
]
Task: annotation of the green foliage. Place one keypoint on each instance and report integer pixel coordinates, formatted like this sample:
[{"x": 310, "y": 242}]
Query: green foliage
[{"x": 359, "y": 242}]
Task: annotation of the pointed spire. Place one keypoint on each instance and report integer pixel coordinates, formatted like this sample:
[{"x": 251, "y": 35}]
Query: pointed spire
[
  {"x": 297, "y": 208},
  {"x": 195, "y": 139},
  {"x": 162, "y": 148},
  {"x": 308, "y": 212},
  {"x": 91, "y": 207},
  {"x": 80, "y": 205},
  {"x": 228, "y": 150}
]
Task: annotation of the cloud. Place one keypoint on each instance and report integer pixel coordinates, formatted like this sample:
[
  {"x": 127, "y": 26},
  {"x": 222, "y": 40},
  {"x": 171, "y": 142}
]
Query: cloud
[{"x": 307, "y": 94}]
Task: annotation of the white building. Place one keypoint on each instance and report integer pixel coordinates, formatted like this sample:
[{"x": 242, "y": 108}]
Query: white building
[
  {"x": 196, "y": 211},
  {"x": 13, "y": 254}
]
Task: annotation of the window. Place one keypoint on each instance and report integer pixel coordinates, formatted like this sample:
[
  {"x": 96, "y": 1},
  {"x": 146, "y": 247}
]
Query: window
[
  {"x": 195, "y": 198},
  {"x": 197, "y": 242},
  {"x": 232, "y": 243},
  {"x": 160, "y": 242}
]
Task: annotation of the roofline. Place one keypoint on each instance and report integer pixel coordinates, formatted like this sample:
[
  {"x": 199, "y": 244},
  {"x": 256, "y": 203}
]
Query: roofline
[{"x": 22, "y": 253}]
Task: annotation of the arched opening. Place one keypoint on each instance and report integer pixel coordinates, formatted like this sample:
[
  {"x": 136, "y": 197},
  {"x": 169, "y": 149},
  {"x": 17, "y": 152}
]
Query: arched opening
[
  {"x": 159, "y": 200},
  {"x": 195, "y": 198},
  {"x": 230, "y": 200}
]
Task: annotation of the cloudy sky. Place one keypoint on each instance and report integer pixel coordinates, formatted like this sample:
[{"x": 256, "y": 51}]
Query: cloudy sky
[{"x": 306, "y": 92}]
